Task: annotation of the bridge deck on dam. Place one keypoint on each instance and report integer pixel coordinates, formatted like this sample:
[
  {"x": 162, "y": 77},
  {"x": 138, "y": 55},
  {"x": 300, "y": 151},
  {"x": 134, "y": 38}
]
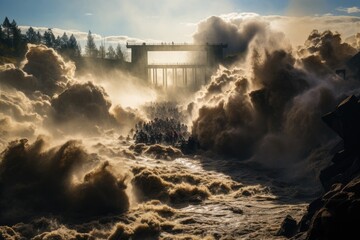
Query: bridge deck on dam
[
  {"x": 190, "y": 74},
  {"x": 175, "y": 47}
]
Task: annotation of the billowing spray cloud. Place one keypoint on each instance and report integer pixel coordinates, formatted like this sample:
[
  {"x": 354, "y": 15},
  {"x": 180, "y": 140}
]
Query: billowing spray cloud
[
  {"x": 42, "y": 70},
  {"x": 63, "y": 181},
  {"x": 21, "y": 116},
  {"x": 347, "y": 26},
  {"x": 328, "y": 46},
  {"x": 354, "y": 41},
  {"x": 272, "y": 112},
  {"x": 48, "y": 67},
  {"x": 45, "y": 89},
  {"x": 238, "y": 33},
  {"x": 17, "y": 78},
  {"x": 83, "y": 103},
  {"x": 217, "y": 30}
]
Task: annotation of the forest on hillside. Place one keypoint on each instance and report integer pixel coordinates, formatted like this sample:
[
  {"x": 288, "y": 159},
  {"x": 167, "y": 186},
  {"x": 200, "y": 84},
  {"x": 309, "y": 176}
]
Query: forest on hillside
[{"x": 13, "y": 44}]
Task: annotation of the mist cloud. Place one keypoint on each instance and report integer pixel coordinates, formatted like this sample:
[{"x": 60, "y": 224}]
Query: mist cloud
[
  {"x": 37, "y": 181},
  {"x": 237, "y": 32},
  {"x": 43, "y": 70},
  {"x": 85, "y": 104},
  {"x": 271, "y": 113},
  {"x": 328, "y": 46},
  {"x": 44, "y": 93}
]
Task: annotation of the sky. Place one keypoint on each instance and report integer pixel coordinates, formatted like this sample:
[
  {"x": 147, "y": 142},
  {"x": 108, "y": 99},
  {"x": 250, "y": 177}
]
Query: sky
[{"x": 164, "y": 20}]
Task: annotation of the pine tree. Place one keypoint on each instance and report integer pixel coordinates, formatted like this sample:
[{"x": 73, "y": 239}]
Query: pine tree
[
  {"x": 64, "y": 41},
  {"x": 31, "y": 36},
  {"x": 39, "y": 37},
  {"x": 111, "y": 52},
  {"x": 102, "y": 51},
  {"x": 57, "y": 44},
  {"x": 90, "y": 47},
  {"x": 1, "y": 34},
  {"x": 16, "y": 38},
  {"x": 6, "y": 25},
  {"x": 49, "y": 38},
  {"x": 119, "y": 54},
  {"x": 74, "y": 47}
]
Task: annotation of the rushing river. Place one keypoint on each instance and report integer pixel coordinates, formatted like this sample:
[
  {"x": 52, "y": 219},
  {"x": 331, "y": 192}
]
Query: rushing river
[
  {"x": 187, "y": 197},
  {"x": 245, "y": 201}
]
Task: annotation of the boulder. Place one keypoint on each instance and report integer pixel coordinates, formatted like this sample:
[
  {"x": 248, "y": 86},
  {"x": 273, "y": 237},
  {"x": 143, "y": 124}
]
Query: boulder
[
  {"x": 336, "y": 214},
  {"x": 288, "y": 227}
]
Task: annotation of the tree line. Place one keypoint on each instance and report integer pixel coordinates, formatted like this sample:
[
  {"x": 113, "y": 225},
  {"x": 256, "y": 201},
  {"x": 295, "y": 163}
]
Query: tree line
[
  {"x": 13, "y": 43},
  {"x": 91, "y": 50}
]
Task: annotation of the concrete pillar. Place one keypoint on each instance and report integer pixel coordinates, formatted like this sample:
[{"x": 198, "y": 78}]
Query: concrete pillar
[
  {"x": 155, "y": 76},
  {"x": 173, "y": 77},
  {"x": 176, "y": 76},
  {"x": 194, "y": 77},
  {"x": 166, "y": 83},
  {"x": 205, "y": 75},
  {"x": 163, "y": 77},
  {"x": 183, "y": 75}
]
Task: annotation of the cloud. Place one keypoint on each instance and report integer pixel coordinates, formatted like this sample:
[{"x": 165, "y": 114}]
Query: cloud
[
  {"x": 345, "y": 25},
  {"x": 349, "y": 10},
  {"x": 88, "y": 14},
  {"x": 122, "y": 39}
]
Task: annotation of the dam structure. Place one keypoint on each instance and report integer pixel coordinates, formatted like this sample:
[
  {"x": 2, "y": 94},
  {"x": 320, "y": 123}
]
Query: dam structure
[{"x": 186, "y": 74}]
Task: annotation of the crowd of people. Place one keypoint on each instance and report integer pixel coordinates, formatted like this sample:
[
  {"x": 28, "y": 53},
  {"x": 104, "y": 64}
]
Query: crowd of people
[
  {"x": 165, "y": 126},
  {"x": 163, "y": 110},
  {"x": 165, "y": 131}
]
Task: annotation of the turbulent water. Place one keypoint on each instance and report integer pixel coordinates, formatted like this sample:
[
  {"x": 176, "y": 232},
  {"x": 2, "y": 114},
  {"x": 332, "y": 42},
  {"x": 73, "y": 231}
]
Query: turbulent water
[
  {"x": 243, "y": 203},
  {"x": 209, "y": 198}
]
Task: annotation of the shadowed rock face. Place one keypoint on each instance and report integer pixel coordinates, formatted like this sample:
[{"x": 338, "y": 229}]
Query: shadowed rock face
[
  {"x": 336, "y": 215},
  {"x": 345, "y": 122}
]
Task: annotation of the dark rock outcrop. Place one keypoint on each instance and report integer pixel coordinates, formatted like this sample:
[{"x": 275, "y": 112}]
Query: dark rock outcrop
[
  {"x": 336, "y": 214},
  {"x": 345, "y": 121},
  {"x": 288, "y": 227}
]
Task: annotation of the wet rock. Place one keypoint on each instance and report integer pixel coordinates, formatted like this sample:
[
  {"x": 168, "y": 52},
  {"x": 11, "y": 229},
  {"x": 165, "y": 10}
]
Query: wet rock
[
  {"x": 288, "y": 227},
  {"x": 339, "y": 215},
  {"x": 313, "y": 207},
  {"x": 344, "y": 120},
  {"x": 336, "y": 215}
]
